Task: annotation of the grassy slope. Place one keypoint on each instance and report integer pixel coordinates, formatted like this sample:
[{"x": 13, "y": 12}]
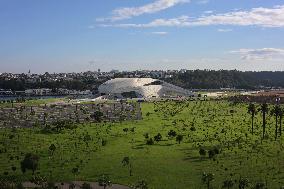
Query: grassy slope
[{"x": 163, "y": 165}]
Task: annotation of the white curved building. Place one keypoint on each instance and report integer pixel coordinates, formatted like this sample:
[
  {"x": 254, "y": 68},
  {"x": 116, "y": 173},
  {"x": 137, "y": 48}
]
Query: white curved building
[{"x": 141, "y": 88}]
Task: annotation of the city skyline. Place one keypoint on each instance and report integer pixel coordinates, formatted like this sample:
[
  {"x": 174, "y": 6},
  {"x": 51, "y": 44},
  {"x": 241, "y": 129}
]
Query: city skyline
[{"x": 74, "y": 36}]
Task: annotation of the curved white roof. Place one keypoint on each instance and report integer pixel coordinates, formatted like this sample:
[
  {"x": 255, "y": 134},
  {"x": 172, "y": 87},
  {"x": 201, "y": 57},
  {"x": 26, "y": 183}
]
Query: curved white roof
[{"x": 146, "y": 87}]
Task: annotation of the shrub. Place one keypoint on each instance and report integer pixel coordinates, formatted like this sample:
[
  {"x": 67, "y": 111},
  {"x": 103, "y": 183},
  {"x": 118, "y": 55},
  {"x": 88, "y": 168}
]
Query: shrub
[
  {"x": 172, "y": 133},
  {"x": 14, "y": 168},
  {"x": 211, "y": 154},
  {"x": 132, "y": 129},
  {"x": 146, "y": 135},
  {"x": 86, "y": 186},
  {"x": 142, "y": 184},
  {"x": 150, "y": 141},
  {"x": 97, "y": 116},
  {"x": 216, "y": 150},
  {"x": 202, "y": 152},
  {"x": 30, "y": 162},
  {"x": 19, "y": 186},
  {"x": 104, "y": 142},
  {"x": 158, "y": 137}
]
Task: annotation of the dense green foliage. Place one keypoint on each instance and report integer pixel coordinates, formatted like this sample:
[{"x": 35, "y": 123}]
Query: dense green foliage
[
  {"x": 210, "y": 79},
  {"x": 80, "y": 83}
]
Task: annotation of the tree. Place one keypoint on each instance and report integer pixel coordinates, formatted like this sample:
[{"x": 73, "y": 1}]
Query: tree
[
  {"x": 276, "y": 112},
  {"x": 263, "y": 109},
  {"x": 20, "y": 186},
  {"x": 207, "y": 178},
  {"x": 259, "y": 185},
  {"x": 243, "y": 183},
  {"x": 252, "y": 111},
  {"x": 72, "y": 186},
  {"x": 228, "y": 184},
  {"x": 125, "y": 130},
  {"x": 150, "y": 141},
  {"x": 158, "y": 137},
  {"x": 202, "y": 152},
  {"x": 211, "y": 153},
  {"x": 172, "y": 133},
  {"x": 30, "y": 162},
  {"x": 86, "y": 186},
  {"x": 75, "y": 171},
  {"x": 142, "y": 184},
  {"x": 179, "y": 138},
  {"x": 87, "y": 138},
  {"x": 52, "y": 148},
  {"x": 126, "y": 162},
  {"x": 97, "y": 116},
  {"x": 104, "y": 181}
]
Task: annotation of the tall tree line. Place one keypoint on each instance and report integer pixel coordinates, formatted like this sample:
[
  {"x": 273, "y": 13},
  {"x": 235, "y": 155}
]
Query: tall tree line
[{"x": 211, "y": 79}]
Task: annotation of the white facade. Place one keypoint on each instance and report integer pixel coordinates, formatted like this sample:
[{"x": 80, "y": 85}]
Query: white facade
[
  {"x": 143, "y": 87},
  {"x": 39, "y": 92}
]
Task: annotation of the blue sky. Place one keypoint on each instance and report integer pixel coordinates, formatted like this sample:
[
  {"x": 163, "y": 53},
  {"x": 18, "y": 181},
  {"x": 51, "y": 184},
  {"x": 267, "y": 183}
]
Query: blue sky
[{"x": 81, "y": 35}]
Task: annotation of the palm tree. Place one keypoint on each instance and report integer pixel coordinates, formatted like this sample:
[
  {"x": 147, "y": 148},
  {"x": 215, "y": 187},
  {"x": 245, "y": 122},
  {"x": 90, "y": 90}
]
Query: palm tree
[
  {"x": 263, "y": 109},
  {"x": 228, "y": 184},
  {"x": 179, "y": 138},
  {"x": 252, "y": 111},
  {"x": 207, "y": 178},
  {"x": 126, "y": 162},
  {"x": 276, "y": 112},
  {"x": 52, "y": 148},
  {"x": 75, "y": 171}
]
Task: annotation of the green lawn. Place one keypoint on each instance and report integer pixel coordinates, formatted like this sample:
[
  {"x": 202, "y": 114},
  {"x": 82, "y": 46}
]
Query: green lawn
[{"x": 166, "y": 164}]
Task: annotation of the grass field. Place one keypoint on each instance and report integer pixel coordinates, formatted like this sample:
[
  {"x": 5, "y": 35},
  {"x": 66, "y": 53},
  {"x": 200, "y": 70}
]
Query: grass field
[{"x": 165, "y": 164}]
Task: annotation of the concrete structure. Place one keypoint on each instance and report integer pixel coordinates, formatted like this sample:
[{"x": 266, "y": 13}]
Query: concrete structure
[
  {"x": 141, "y": 88},
  {"x": 38, "y": 92}
]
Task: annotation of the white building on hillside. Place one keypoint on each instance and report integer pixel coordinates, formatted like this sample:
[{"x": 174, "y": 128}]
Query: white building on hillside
[{"x": 141, "y": 88}]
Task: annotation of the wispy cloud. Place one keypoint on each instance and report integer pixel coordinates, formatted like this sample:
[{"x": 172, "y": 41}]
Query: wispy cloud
[
  {"x": 91, "y": 27},
  {"x": 261, "y": 54},
  {"x": 203, "y": 1},
  {"x": 224, "y": 30},
  {"x": 208, "y": 12},
  {"x": 159, "y": 33},
  {"x": 180, "y": 21},
  {"x": 129, "y": 12},
  {"x": 262, "y": 17}
]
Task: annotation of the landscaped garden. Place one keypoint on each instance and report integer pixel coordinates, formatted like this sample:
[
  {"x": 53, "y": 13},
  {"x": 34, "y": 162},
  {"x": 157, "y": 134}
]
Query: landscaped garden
[{"x": 185, "y": 145}]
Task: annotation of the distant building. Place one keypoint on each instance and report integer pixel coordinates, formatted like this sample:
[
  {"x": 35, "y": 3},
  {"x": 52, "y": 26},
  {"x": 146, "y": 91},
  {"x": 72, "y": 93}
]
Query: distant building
[
  {"x": 141, "y": 88},
  {"x": 5, "y": 92},
  {"x": 38, "y": 92}
]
